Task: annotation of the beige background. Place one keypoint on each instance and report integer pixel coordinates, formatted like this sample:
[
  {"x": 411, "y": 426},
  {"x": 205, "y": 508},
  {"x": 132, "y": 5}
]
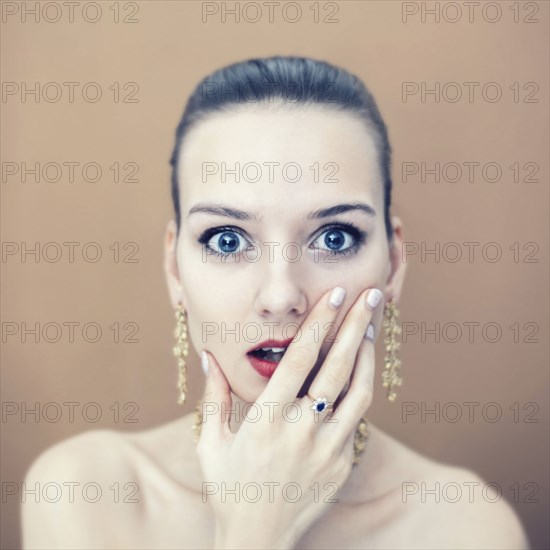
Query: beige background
[{"x": 166, "y": 52}]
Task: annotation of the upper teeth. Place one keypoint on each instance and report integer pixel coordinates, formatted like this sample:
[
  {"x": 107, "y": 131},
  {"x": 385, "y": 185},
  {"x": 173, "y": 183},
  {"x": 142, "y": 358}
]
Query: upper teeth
[{"x": 276, "y": 350}]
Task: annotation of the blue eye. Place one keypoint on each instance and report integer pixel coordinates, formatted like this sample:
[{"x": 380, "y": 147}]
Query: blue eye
[
  {"x": 222, "y": 242},
  {"x": 339, "y": 239},
  {"x": 336, "y": 241},
  {"x": 338, "y": 235}
]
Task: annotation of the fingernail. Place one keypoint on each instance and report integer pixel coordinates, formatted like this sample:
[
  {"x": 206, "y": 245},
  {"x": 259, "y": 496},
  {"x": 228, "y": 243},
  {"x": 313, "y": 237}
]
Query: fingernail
[
  {"x": 337, "y": 297},
  {"x": 369, "y": 334},
  {"x": 204, "y": 362},
  {"x": 373, "y": 298}
]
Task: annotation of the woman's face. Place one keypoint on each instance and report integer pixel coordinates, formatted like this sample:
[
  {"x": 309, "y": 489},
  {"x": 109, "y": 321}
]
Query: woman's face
[{"x": 274, "y": 178}]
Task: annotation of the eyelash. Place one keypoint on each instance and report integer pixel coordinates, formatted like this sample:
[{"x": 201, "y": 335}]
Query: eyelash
[{"x": 359, "y": 236}]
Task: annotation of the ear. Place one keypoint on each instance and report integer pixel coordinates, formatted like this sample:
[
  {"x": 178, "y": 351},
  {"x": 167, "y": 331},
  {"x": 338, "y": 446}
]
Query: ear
[
  {"x": 171, "y": 270},
  {"x": 396, "y": 278}
]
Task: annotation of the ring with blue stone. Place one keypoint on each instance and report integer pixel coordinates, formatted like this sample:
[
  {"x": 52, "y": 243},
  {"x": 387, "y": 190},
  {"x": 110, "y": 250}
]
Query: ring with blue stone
[{"x": 321, "y": 405}]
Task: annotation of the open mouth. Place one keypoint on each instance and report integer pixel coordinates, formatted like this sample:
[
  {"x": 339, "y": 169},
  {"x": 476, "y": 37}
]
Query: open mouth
[{"x": 269, "y": 354}]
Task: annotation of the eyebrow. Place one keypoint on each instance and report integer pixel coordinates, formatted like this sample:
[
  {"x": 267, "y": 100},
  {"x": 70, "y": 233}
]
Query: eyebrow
[{"x": 226, "y": 211}]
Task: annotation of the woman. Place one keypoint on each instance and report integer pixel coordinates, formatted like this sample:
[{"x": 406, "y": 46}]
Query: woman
[{"x": 282, "y": 262}]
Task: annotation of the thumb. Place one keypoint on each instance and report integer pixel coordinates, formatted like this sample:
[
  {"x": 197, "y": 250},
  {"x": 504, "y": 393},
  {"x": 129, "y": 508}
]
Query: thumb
[{"x": 216, "y": 402}]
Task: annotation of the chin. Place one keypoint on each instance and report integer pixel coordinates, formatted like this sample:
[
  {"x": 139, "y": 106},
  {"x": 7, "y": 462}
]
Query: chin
[{"x": 247, "y": 390}]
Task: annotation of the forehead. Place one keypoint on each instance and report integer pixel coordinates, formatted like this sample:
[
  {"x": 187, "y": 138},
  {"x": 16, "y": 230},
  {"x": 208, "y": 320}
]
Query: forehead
[{"x": 334, "y": 150}]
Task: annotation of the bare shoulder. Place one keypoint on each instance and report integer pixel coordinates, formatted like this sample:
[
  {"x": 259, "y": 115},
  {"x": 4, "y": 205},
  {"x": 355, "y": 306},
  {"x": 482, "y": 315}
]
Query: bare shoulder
[
  {"x": 74, "y": 486},
  {"x": 436, "y": 505},
  {"x": 456, "y": 507},
  {"x": 74, "y": 455},
  {"x": 474, "y": 510},
  {"x": 106, "y": 454}
]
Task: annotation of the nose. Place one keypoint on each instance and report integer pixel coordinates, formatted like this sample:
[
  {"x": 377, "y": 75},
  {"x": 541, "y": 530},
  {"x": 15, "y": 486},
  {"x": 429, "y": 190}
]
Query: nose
[{"x": 280, "y": 292}]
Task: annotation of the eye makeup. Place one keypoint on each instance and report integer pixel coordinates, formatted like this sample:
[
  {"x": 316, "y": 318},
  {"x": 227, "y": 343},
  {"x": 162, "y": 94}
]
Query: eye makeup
[{"x": 234, "y": 234}]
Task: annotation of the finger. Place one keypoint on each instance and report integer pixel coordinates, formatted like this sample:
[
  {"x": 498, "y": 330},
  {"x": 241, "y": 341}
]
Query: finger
[
  {"x": 338, "y": 365},
  {"x": 358, "y": 398},
  {"x": 303, "y": 351},
  {"x": 216, "y": 402}
]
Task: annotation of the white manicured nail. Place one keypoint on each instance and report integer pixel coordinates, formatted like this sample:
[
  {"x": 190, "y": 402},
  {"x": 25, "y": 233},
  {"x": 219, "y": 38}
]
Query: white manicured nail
[
  {"x": 337, "y": 297},
  {"x": 204, "y": 362},
  {"x": 369, "y": 335},
  {"x": 373, "y": 298}
]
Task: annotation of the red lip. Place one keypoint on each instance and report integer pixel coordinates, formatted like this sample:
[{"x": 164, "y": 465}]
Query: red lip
[
  {"x": 262, "y": 366},
  {"x": 272, "y": 344}
]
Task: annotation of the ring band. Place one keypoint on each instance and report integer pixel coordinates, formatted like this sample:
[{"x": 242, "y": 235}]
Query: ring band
[{"x": 320, "y": 405}]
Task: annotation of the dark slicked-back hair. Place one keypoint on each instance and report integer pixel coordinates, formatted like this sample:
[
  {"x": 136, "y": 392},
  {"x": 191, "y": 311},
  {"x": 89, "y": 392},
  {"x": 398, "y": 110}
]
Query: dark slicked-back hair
[{"x": 295, "y": 81}]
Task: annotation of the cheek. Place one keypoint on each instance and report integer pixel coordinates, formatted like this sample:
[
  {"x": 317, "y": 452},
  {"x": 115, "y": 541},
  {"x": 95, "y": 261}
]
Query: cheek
[
  {"x": 216, "y": 326},
  {"x": 376, "y": 270}
]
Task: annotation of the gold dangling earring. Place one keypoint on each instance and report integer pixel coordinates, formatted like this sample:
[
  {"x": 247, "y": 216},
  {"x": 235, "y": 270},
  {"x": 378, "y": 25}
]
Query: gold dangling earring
[
  {"x": 180, "y": 351},
  {"x": 390, "y": 375}
]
